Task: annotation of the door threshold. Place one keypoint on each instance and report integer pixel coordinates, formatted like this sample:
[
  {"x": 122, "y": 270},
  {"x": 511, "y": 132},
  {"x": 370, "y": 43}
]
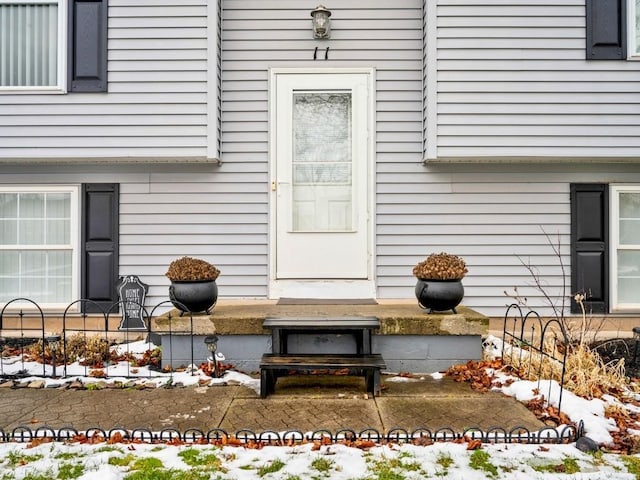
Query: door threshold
[{"x": 323, "y": 289}]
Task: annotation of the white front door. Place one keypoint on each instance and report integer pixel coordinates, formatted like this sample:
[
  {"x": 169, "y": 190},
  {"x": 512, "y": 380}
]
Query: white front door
[{"x": 321, "y": 184}]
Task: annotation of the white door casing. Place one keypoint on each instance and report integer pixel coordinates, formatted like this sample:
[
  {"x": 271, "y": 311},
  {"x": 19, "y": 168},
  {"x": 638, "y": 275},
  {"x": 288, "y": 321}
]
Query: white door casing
[{"x": 321, "y": 172}]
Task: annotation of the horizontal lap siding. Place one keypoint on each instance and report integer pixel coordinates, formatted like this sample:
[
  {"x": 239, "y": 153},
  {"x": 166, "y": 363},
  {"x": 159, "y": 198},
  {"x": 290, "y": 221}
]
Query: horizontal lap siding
[
  {"x": 513, "y": 81},
  {"x": 510, "y": 81},
  {"x": 218, "y": 215},
  {"x": 156, "y": 104},
  {"x": 500, "y": 218},
  {"x": 167, "y": 211},
  {"x": 258, "y": 35}
]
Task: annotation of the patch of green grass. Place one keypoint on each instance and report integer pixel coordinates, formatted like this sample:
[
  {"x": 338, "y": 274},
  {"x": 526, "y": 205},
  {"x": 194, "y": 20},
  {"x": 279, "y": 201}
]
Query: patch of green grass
[
  {"x": 385, "y": 469},
  {"x": 68, "y": 455},
  {"x": 393, "y": 468},
  {"x": 108, "y": 448},
  {"x": 403, "y": 462},
  {"x": 68, "y": 471},
  {"x": 568, "y": 465},
  {"x": 16, "y": 459},
  {"x": 121, "y": 461},
  {"x": 202, "y": 459},
  {"x": 444, "y": 460},
  {"x": 322, "y": 464},
  {"x": 632, "y": 464},
  {"x": 599, "y": 460},
  {"x": 48, "y": 475},
  {"x": 148, "y": 463},
  {"x": 480, "y": 460},
  {"x": 272, "y": 467},
  {"x": 151, "y": 468},
  {"x": 168, "y": 475}
]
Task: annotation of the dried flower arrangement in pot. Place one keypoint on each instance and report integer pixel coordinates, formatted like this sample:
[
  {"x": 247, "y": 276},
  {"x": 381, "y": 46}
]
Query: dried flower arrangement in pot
[
  {"x": 191, "y": 269},
  {"x": 441, "y": 266},
  {"x": 439, "y": 286},
  {"x": 193, "y": 284}
]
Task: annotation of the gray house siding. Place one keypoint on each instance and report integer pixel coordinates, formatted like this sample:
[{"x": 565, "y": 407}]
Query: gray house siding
[
  {"x": 386, "y": 35},
  {"x": 508, "y": 82},
  {"x": 509, "y": 110},
  {"x": 167, "y": 211},
  {"x": 498, "y": 217},
  {"x": 512, "y": 81},
  {"x": 157, "y": 100}
]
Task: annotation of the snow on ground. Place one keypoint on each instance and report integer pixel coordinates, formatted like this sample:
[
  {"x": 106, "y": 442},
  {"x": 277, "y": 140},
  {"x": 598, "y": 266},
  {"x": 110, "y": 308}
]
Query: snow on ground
[
  {"x": 440, "y": 460},
  {"x": 121, "y": 372}
]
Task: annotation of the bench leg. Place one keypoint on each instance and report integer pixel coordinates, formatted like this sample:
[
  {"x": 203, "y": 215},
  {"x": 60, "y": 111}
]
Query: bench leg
[
  {"x": 264, "y": 383},
  {"x": 373, "y": 381},
  {"x": 366, "y": 342}
]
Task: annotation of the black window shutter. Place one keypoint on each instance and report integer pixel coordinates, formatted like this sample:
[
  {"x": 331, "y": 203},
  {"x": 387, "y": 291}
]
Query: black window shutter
[
  {"x": 87, "y": 62},
  {"x": 100, "y": 232},
  {"x": 606, "y": 29},
  {"x": 589, "y": 245}
]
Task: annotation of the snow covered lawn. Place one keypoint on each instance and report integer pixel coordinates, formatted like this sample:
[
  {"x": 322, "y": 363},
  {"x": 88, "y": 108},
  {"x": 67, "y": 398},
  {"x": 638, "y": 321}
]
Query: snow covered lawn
[
  {"x": 389, "y": 462},
  {"x": 43, "y": 459}
]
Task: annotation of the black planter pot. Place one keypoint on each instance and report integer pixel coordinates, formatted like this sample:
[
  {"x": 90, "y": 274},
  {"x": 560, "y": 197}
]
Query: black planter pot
[
  {"x": 439, "y": 295},
  {"x": 193, "y": 296}
]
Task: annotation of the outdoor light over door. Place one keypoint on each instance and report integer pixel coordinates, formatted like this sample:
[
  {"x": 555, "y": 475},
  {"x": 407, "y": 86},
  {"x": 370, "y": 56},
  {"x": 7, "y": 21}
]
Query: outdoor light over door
[{"x": 321, "y": 22}]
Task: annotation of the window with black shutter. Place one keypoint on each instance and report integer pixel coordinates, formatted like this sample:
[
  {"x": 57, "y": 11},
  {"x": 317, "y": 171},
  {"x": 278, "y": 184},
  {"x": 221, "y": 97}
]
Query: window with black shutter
[
  {"x": 606, "y": 29},
  {"x": 100, "y": 232},
  {"x": 87, "y": 55},
  {"x": 589, "y": 245}
]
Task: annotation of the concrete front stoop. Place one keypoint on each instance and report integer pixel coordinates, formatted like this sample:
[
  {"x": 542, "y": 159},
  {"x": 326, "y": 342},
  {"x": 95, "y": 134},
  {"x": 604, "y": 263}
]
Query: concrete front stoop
[{"x": 409, "y": 338}]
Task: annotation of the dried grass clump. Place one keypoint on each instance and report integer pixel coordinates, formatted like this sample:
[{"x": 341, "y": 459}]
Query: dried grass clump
[
  {"x": 89, "y": 351},
  {"x": 36, "y": 353},
  {"x": 441, "y": 266},
  {"x": 586, "y": 374},
  {"x": 191, "y": 269}
]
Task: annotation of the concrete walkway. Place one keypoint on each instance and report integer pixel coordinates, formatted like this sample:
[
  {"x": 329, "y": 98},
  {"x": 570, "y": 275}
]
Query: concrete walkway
[{"x": 304, "y": 403}]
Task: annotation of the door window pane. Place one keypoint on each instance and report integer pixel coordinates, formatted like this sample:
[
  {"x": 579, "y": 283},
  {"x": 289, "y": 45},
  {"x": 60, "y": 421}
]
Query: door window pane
[
  {"x": 28, "y": 44},
  {"x": 322, "y": 165}
]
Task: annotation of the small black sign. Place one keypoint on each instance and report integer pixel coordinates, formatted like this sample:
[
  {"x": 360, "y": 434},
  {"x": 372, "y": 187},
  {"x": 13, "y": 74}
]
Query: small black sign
[{"x": 132, "y": 293}]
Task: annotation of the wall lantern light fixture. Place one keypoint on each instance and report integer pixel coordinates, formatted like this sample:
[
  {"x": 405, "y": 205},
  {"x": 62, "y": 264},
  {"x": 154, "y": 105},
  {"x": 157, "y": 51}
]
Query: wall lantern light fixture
[{"x": 321, "y": 22}]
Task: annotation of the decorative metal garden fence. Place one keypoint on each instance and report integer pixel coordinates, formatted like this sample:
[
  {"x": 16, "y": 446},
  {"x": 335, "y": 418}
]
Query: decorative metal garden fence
[
  {"x": 23, "y": 326},
  {"x": 525, "y": 337},
  {"x": 419, "y": 436},
  {"x": 536, "y": 346}
]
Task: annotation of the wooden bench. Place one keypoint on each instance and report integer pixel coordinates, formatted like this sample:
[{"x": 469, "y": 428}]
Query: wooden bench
[
  {"x": 274, "y": 365},
  {"x": 360, "y": 327}
]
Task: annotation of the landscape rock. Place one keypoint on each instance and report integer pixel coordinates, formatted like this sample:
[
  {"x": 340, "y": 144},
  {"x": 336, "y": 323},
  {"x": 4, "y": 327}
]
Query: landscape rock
[{"x": 587, "y": 445}]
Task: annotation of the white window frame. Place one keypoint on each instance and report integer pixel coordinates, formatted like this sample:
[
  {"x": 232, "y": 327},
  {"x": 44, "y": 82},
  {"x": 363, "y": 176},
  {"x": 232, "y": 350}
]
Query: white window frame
[
  {"x": 631, "y": 31},
  {"x": 61, "y": 57},
  {"x": 74, "y": 237},
  {"x": 614, "y": 247}
]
